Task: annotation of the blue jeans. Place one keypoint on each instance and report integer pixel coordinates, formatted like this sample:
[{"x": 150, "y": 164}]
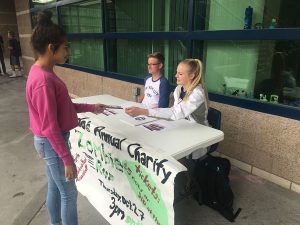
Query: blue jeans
[{"x": 62, "y": 194}]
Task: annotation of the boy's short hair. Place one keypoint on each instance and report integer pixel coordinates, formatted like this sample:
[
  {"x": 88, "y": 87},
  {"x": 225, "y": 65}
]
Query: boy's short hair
[{"x": 160, "y": 57}]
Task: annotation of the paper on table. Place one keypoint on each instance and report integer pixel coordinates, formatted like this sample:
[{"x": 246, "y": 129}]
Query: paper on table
[
  {"x": 159, "y": 125},
  {"x": 132, "y": 104},
  {"x": 138, "y": 120},
  {"x": 113, "y": 106}
]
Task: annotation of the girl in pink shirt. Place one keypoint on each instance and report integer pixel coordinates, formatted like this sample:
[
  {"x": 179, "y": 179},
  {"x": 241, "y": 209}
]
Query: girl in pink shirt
[{"x": 52, "y": 115}]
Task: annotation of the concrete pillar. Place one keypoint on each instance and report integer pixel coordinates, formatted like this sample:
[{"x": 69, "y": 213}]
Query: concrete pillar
[
  {"x": 8, "y": 21},
  {"x": 25, "y": 30}
]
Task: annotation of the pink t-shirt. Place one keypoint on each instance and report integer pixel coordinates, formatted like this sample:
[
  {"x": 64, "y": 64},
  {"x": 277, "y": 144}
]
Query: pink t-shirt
[{"x": 51, "y": 110}]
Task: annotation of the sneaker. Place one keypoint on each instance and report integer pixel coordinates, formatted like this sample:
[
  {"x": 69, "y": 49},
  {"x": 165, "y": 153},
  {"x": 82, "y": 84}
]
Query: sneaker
[
  {"x": 13, "y": 76},
  {"x": 19, "y": 73}
]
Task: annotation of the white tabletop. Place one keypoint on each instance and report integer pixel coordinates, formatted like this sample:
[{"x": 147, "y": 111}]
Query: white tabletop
[{"x": 180, "y": 140}]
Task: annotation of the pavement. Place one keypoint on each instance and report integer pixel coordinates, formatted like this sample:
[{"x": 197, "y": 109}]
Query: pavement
[{"x": 24, "y": 184}]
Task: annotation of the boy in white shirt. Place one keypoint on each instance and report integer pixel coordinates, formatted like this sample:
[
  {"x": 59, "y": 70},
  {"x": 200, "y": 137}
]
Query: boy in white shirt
[{"x": 157, "y": 88}]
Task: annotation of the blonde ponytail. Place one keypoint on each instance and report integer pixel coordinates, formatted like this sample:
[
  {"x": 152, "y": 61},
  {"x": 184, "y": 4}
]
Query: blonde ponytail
[{"x": 195, "y": 67}]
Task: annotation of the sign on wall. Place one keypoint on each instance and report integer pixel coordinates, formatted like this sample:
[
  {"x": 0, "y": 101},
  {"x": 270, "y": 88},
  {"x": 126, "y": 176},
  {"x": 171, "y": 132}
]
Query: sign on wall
[{"x": 128, "y": 183}]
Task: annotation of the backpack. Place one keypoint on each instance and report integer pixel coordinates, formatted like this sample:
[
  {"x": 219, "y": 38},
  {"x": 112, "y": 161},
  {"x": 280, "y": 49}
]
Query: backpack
[{"x": 211, "y": 175}]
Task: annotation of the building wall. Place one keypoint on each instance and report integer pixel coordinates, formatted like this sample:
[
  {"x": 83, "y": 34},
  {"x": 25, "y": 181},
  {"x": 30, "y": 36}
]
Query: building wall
[
  {"x": 24, "y": 26},
  {"x": 8, "y": 21},
  {"x": 84, "y": 84},
  {"x": 262, "y": 144}
]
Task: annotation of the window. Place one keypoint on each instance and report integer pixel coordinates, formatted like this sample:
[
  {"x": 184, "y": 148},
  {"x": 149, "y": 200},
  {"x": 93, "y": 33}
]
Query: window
[
  {"x": 265, "y": 70},
  {"x": 230, "y": 14},
  {"x": 82, "y": 17},
  {"x": 87, "y": 53},
  {"x": 116, "y": 40},
  {"x": 130, "y": 56},
  {"x": 147, "y": 15}
]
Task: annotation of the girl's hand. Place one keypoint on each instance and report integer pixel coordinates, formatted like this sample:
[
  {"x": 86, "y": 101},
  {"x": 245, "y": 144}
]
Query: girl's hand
[
  {"x": 99, "y": 108},
  {"x": 136, "y": 111},
  {"x": 70, "y": 171}
]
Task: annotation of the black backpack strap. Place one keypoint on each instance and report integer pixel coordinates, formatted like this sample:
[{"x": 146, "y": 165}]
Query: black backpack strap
[{"x": 237, "y": 213}]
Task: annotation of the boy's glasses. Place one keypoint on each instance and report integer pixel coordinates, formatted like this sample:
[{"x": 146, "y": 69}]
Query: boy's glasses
[{"x": 152, "y": 64}]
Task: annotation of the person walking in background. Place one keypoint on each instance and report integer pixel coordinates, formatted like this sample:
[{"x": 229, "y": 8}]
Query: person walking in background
[
  {"x": 52, "y": 115},
  {"x": 15, "y": 51},
  {"x": 3, "y": 71},
  {"x": 157, "y": 88}
]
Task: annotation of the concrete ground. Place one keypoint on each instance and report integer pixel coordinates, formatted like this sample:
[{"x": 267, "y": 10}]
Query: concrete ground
[{"x": 23, "y": 181}]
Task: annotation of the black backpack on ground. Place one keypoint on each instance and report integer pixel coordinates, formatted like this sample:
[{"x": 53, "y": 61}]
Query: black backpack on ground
[{"x": 211, "y": 175}]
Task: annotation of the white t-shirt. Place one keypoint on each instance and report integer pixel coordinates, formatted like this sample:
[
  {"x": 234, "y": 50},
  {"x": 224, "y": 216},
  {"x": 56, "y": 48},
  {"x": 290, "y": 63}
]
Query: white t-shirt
[{"x": 156, "y": 94}]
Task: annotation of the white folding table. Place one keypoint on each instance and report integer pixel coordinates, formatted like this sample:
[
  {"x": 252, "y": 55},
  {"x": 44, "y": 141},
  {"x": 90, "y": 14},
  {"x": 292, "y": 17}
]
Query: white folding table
[{"x": 181, "y": 140}]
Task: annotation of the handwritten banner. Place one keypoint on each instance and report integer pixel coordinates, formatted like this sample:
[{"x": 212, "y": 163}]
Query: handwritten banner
[{"x": 128, "y": 183}]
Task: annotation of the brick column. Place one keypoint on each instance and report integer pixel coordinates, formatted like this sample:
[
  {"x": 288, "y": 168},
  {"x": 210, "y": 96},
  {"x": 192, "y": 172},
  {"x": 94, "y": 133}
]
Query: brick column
[
  {"x": 25, "y": 30},
  {"x": 8, "y": 22}
]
